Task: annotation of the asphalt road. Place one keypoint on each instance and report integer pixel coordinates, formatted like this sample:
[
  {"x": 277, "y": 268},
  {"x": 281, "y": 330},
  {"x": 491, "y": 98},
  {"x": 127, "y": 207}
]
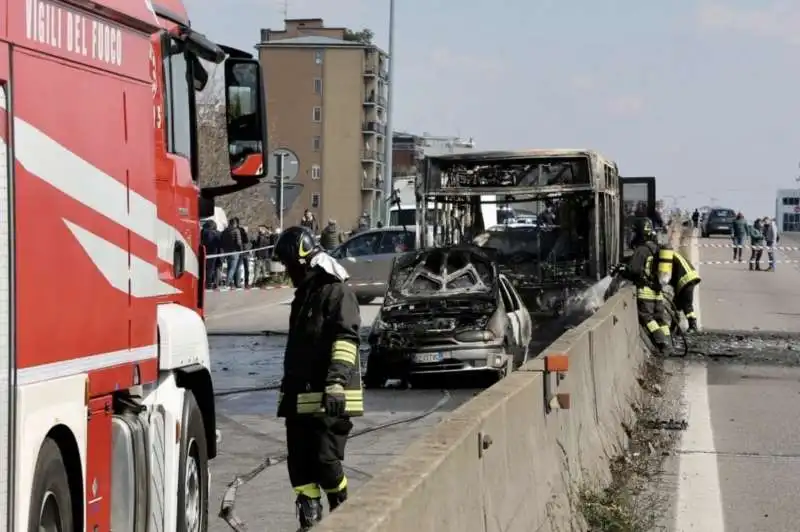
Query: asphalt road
[
  {"x": 250, "y": 432},
  {"x": 737, "y": 468}
]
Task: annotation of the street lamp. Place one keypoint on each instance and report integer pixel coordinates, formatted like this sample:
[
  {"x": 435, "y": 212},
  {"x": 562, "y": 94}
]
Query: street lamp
[{"x": 389, "y": 138}]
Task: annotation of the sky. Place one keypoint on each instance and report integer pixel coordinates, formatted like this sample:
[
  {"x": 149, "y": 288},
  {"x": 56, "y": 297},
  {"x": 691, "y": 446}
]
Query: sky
[{"x": 702, "y": 94}]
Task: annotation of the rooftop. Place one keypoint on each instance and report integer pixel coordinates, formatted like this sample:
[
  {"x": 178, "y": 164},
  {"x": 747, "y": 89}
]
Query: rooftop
[{"x": 314, "y": 40}]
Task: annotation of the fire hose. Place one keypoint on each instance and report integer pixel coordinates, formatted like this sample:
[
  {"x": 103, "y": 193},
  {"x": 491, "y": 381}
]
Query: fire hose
[{"x": 227, "y": 508}]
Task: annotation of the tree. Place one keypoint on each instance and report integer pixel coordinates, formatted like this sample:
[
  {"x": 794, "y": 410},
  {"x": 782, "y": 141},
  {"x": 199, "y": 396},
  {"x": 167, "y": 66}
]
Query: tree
[{"x": 364, "y": 36}]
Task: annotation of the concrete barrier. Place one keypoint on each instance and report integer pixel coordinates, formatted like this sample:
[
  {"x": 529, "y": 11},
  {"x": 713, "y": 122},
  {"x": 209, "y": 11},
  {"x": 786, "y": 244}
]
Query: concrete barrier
[{"x": 504, "y": 461}]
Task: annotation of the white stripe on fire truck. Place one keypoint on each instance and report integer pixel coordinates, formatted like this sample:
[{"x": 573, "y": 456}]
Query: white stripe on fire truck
[
  {"x": 66, "y": 368},
  {"x": 77, "y": 178},
  {"x": 112, "y": 261}
]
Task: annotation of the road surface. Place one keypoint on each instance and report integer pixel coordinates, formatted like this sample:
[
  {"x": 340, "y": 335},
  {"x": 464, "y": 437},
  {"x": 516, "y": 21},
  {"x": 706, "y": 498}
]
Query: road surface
[
  {"x": 737, "y": 468},
  {"x": 251, "y": 432}
]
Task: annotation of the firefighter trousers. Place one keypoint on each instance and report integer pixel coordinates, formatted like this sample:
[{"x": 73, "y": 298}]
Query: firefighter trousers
[
  {"x": 315, "y": 447},
  {"x": 684, "y": 301},
  {"x": 651, "y": 316}
]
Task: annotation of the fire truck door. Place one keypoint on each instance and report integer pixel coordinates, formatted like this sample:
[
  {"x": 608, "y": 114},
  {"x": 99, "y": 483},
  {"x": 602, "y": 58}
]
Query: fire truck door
[
  {"x": 6, "y": 309},
  {"x": 637, "y": 199}
]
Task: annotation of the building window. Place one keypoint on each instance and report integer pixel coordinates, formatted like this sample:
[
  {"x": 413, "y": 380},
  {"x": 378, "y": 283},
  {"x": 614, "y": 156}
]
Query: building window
[
  {"x": 316, "y": 172},
  {"x": 318, "y": 57},
  {"x": 316, "y": 143},
  {"x": 317, "y": 114},
  {"x": 318, "y": 86},
  {"x": 315, "y": 200}
]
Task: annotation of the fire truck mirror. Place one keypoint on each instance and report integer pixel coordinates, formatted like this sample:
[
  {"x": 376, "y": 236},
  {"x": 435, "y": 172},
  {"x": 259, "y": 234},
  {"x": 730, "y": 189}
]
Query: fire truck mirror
[{"x": 246, "y": 119}]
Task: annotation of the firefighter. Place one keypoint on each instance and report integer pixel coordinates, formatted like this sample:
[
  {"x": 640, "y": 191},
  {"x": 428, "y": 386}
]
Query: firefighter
[
  {"x": 321, "y": 386},
  {"x": 684, "y": 279},
  {"x": 649, "y": 269}
]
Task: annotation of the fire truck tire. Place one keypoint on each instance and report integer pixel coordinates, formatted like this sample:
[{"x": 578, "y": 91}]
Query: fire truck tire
[
  {"x": 51, "y": 500},
  {"x": 193, "y": 470}
]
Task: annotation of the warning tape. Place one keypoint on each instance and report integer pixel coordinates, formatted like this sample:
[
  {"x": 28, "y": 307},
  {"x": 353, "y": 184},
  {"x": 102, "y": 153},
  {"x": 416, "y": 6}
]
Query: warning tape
[
  {"x": 730, "y": 246},
  {"x": 745, "y": 262},
  {"x": 276, "y": 286}
]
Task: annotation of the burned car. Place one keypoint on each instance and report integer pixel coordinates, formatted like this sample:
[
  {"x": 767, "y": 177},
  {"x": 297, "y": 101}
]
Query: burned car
[{"x": 447, "y": 310}]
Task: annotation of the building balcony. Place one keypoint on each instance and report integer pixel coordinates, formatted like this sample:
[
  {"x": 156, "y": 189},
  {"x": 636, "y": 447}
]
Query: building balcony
[
  {"x": 373, "y": 127},
  {"x": 371, "y": 183},
  {"x": 373, "y": 100},
  {"x": 371, "y": 71},
  {"x": 372, "y": 156}
]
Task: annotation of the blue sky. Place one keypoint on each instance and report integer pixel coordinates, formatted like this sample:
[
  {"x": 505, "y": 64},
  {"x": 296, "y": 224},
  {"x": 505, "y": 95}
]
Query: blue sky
[{"x": 704, "y": 95}]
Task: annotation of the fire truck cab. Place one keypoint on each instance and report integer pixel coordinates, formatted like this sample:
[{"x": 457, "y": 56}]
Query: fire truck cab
[{"x": 107, "y": 418}]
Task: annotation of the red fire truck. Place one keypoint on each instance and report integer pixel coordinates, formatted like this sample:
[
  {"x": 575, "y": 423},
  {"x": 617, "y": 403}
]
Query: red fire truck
[{"x": 107, "y": 417}]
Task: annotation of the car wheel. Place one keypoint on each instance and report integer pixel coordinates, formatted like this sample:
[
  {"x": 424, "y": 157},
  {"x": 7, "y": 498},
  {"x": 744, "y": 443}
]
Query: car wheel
[
  {"x": 193, "y": 470},
  {"x": 376, "y": 372},
  {"x": 51, "y": 500},
  {"x": 365, "y": 300}
]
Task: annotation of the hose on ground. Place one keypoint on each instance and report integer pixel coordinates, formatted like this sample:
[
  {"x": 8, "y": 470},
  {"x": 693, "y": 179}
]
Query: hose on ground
[{"x": 227, "y": 509}]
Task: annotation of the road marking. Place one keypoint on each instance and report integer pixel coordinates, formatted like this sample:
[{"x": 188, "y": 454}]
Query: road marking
[
  {"x": 246, "y": 310},
  {"x": 699, "y": 493}
]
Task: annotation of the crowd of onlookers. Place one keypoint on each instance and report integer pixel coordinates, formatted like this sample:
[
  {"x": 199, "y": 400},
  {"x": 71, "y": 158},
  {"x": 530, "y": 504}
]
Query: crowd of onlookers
[
  {"x": 761, "y": 234},
  {"x": 246, "y": 257}
]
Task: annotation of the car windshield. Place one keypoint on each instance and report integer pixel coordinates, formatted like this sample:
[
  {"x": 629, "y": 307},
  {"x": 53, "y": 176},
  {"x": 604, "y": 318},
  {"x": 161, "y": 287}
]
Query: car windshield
[
  {"x": 722, "y": 213},
  {"x": 442, "y": 271}
]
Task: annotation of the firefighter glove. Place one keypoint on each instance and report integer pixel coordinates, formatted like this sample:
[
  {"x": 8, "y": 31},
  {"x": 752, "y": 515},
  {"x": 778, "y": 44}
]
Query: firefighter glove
[{"x": 333, "y": 400}]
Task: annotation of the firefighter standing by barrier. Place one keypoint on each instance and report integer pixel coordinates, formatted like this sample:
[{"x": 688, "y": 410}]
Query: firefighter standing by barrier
[
  {"x": 321, "y": 386},
  {"x": 684, "y": 279},
  {"x": 649, "y": 269}
]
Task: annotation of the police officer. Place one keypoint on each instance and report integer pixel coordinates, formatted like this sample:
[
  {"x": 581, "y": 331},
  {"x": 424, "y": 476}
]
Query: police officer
[
  {"x": 649, "y": 269},
  {"x": 321, "y": 386},
  {"x": 684, "y": 279}
]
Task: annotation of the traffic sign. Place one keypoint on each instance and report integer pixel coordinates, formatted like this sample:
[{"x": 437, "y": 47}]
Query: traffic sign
[{"x": 291, "y": 165}]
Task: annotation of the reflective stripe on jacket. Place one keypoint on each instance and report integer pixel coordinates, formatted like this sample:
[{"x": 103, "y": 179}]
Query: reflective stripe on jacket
[{"x": 683, "y": 273}]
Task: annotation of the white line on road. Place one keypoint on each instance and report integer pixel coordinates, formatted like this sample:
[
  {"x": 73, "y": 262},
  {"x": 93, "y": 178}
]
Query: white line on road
[{"x": 699, "y": 493}]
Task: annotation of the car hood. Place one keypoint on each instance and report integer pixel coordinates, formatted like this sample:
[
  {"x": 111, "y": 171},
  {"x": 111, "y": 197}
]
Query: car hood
[{"x": 462, "y": 270}]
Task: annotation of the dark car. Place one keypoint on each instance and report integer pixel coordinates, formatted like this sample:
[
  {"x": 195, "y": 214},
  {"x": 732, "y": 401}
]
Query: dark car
[
  {"x": 447, "y": 310},
  {"x": 719, "y": 221}
]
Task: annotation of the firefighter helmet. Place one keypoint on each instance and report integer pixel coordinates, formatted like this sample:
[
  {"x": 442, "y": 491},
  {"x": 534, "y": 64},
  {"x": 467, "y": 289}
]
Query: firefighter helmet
[
  {"x": 295, "y": 246},
  {"x": 642, "y": 231}
]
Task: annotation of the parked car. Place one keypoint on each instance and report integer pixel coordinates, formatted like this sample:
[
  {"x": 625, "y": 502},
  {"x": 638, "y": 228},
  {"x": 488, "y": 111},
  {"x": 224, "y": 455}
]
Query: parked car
[
  {"x": 718, "y": 222},
  {"x": 447, "y": 310},
  {"x": 368, "y": 257}
]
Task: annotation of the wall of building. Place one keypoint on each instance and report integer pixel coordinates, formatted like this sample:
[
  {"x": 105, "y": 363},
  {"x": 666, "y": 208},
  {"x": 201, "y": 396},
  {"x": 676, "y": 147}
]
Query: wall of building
[
  {"x": 343, "y": 96},
  {"x": 787, "y": 210},
  {"x": 290, "y": 102}
]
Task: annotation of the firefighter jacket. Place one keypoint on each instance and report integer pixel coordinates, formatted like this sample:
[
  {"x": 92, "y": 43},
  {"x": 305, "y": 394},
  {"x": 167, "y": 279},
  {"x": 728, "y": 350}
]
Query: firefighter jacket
[
  {"x": 322, "y": 347},
  {"x": 649, "y": 268},
  {"x": 683, "y": 273}
]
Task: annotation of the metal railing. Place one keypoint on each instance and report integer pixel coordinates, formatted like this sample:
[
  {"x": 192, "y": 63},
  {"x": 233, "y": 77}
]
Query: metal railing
[{"x": 373, "y": 127}]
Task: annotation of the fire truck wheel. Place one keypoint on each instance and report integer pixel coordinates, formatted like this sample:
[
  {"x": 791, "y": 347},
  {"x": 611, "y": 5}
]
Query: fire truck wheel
[
  {"x": 193, "y": 470},
  {"x": 51, "y": 501}
]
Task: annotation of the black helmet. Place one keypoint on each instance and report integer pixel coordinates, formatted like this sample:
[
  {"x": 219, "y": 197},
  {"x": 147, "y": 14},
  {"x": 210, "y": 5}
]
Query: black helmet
[
  {"x": 642, "y": 231},
  {"x": 295, "y": 246}
]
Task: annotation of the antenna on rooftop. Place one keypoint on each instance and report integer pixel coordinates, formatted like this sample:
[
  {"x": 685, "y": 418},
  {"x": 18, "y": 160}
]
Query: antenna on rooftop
[{"x": 285, "y": 9}]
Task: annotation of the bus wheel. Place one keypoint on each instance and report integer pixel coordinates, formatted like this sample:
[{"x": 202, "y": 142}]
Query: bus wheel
[
  {"x": 192, "y": 470},
  {"x": 51, "y": 501}
]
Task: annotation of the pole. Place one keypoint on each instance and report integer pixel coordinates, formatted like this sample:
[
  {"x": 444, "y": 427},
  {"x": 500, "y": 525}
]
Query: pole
[
  {"x": 389, "y": 139},
  {"x": 279, "y": 160}
]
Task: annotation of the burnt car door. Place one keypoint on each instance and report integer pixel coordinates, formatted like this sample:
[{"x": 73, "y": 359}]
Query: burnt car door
[
  {"x": 525, "y": 322},
  {"x": 637, "y": 200},
  {"x": 392, "y": 244}
]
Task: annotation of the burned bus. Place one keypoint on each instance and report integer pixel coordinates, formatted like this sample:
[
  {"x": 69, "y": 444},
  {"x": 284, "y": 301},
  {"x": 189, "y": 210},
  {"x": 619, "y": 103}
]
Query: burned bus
[{"x": 574, "y": 194}]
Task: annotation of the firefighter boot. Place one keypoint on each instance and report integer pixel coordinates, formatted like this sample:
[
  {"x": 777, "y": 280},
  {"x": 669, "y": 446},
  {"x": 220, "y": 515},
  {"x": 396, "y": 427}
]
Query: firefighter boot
[
  {"x": 309, "y": 512},
  {"x": 336, "y": 499},
  {"x": 692, "y": 324}
]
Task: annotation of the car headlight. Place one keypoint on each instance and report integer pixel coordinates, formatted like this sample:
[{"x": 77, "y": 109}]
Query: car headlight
[
  {"x": 475, "y": 336},
  {"x": 379, "y": 324}
]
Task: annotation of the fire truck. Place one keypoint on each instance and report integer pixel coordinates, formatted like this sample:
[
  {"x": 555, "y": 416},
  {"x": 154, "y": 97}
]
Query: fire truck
[{"x": 107, "y": 417}]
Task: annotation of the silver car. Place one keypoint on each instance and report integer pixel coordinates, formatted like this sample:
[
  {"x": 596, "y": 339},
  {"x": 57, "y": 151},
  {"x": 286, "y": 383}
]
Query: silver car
[{"x": 368, "y": 256}]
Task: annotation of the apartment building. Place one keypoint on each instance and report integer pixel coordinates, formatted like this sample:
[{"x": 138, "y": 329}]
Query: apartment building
[{"x": 326, "y": 102}]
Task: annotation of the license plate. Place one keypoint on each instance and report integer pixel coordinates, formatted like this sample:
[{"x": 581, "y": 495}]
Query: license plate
[
  {"x": 428, "y": 358},
  {"x": 723, "y": 227}
]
